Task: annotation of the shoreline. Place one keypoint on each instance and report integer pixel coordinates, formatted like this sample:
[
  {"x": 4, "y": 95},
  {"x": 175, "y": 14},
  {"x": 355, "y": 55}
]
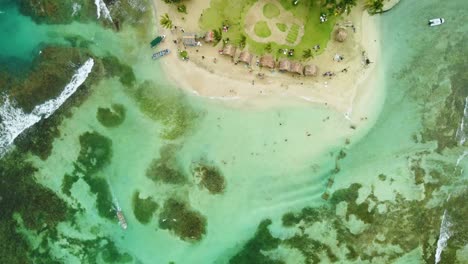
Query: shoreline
[{"x": 236, "y": 84}]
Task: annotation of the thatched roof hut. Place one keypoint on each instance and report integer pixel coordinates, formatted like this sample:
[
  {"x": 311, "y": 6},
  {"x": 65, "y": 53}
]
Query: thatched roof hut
[
  {"x": 209, "y": 36},
  {"x": 284, "y": 65},
  {"x": 229, "y": 50},
  {"x": 246, "y": 57},
  {"x": 267, "y": 61},
  {"x": 310, "y": 70},
  {"x": 296, "y": 67},
  {"x": 341, "y": 35}
]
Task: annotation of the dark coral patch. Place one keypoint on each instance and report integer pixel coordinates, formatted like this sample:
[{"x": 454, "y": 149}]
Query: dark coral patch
[{"x": 186, "y": 223}]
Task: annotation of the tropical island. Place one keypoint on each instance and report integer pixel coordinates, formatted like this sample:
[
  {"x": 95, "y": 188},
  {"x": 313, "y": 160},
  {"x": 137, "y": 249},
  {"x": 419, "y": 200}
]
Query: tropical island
[{"x": 319, "y": 51}]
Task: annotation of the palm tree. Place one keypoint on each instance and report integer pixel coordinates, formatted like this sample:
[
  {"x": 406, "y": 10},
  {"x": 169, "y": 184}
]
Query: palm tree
[
  {"x": 306, "y": 54},
  {"x": 218, "y": 35},
  {"x": 165, "y": 21},
  {"x": 374, "y": 6},
  {"x": 242, "y": 41}
]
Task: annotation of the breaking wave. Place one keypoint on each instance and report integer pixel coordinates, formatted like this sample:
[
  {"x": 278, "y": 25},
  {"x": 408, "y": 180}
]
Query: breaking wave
[
  {"x": 101, "y": 8},
  {"x": 76, "y": 7},
  {"x": 14, "y": 121},
  {"x": 461, "y": 133},
  {"x": 443, "y": 237}
]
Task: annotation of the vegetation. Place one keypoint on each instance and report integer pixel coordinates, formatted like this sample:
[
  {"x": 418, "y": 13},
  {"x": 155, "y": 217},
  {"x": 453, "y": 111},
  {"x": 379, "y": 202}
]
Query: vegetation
[
  {"x": 51, "y": 72},
  {"x": 165, "y": 169},
  {"x": 95, "y": 153},
  {"x": 62, "y": 12},
  {"x": 338, "y": 7},
  {"x": 262, "y": 30},
  {"x": 182, "y": 8},
  {"x": 282, "y": 27},
  {"x": 242, "y": 41},
  {"x": 270, "y": 10},
  {"x": 186, "y": 223},
  {"x": 39, "y": 208},
  {"x": 143, "y": 209},
  {"x": 210, "y": 178},
  {"x": 252, "y": 250},
  {"x": 111, "y": 117},
  {"x": 292, "y": 34},
  {"x": 374, "y": 6},
  {"x": 165, "y": 21},
  {"x": 307, "y": 54},
  {"x": 113, "y": 67},
  {"x": 183, "y": 54},
  {"x": 268, "y": 47},
  {"x": 233, "y": 12},
  {"x": 218, "y": 36},
  {"x": 167, "y": 106}
]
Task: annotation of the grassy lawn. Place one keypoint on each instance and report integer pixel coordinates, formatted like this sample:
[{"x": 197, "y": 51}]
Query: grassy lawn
[
  {"x": 282, "y": 27},
  {"x": 292, "y": 34},
  {"x": 270, "y": 10},
  {"x": 233, "y": 12},
  {"x": 262, "y": 30}
]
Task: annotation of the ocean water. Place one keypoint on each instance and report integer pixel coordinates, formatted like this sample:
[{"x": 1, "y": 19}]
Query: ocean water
[{"x": 388, "y": 188}]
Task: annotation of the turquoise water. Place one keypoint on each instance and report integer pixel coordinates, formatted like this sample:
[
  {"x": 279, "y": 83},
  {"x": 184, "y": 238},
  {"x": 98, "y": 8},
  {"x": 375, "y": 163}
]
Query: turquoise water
[
  {"x": 21, "y": 37},
  {"x": 376, "y": 194}
]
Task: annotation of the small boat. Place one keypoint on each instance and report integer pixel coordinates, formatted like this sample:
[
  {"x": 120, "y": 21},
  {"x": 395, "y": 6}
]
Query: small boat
[
  {"x": 436, "y": 22},
  {"x": 122, "y": 221},
  {"x": 157, "y": 40},
  {"x": 160, "y": 54}
]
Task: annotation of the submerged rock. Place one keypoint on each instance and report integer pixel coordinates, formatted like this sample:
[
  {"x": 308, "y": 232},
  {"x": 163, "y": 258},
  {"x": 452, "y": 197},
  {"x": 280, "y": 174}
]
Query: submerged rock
[
  {"x": 210, "y": 177},
  {"x": 111, "y": 117},
  {"x": 143, "y": 208},
  {"x": 185, "y": 222},
  {"x": 166, "y": 169}
]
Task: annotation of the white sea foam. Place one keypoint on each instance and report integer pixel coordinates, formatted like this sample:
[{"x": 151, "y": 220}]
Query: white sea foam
[
  {"x": 101, "y": 8},
  {"x": 137, "y": 5},
  {"x": 76, "y": 7},
  {"x": 462, "y": 156},
  {"x": 461, "y": 131},
  {"x": 225, "y": 98},
  {"x": 348, "y": 113},
  {"x": 14, "y": 121},
  {"x": 443, "y": 237}
]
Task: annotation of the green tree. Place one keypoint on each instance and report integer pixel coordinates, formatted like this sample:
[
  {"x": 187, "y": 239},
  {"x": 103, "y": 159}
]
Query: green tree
[
  {"x": 306, "y": 54},
  {"x": 218, "y": 35},
  {"x": 338, "y": 7},
  {"x": 242, "y": 41},
  {"x": 268, "y": 47},
  {"x": 165, "y": 21},
  {"x": 374, "y": 6},
  {"x": 182, "y": 8}
]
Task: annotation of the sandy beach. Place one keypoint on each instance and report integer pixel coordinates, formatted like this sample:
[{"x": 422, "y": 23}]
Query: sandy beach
[{"x": 238, "y": 83}]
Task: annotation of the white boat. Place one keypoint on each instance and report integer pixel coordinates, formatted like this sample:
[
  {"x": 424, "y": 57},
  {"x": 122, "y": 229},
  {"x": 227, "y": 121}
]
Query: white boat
[
  {"x": 436, "y": 22},
  {"x": 122, "y": 221}
]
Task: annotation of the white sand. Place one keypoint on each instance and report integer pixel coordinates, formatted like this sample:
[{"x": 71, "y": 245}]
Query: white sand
[{"x": 224, "y": 80}]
